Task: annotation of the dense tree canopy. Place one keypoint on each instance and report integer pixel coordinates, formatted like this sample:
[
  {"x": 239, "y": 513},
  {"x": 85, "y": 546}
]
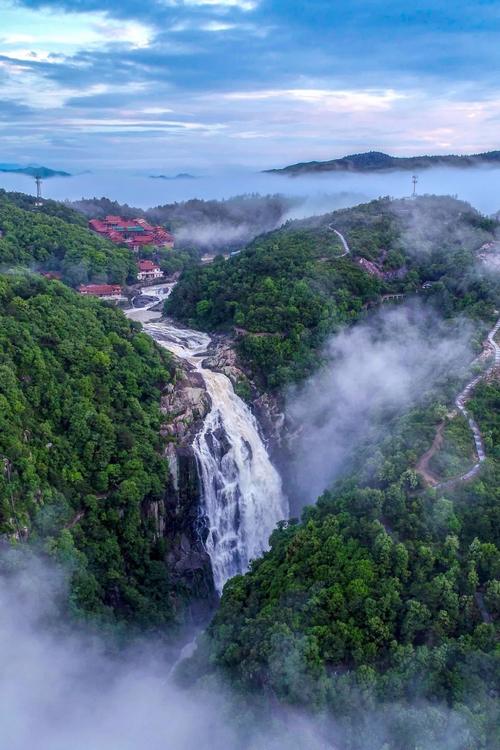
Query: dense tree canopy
[
  {"x": 41, "y": 240},
  {"x": 381, "y": 606},
  {"x": 289, "y": 289},
  {"x": 47, "y": 207},
  {"x": 80, "y": 444},
  {"x": 385, "y": 593},
  {"x": 383, "y": 601},
  {"x": 284, "y": 293}
]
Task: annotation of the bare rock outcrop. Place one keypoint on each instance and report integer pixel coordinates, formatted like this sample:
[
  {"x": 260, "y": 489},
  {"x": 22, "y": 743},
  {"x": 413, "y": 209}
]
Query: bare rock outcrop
[{"x": 177, "y": 518}]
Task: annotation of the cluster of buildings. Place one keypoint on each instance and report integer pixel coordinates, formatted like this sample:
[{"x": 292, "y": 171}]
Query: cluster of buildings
[
  {"x": 147, "y": 270},
  {"x": 134, "y": 233}
]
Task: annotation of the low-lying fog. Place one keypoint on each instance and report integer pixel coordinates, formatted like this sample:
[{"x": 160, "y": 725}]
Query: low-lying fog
[
  {"x": 324, "y": 192},
  {"x": 63, "y": 689},
  {"x": 372, "y": 370}
]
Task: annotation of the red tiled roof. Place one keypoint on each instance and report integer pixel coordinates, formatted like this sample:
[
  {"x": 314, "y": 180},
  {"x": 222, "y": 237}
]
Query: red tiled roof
[
  {"x": 147, "y": 265},
  {"x": 97, "y": 225},
  {"x": 144, "y": 224},
  {"x": 99, "y": 289},
  {"x": 115, "y": 228},
  {"x": 163, "y": 233}
]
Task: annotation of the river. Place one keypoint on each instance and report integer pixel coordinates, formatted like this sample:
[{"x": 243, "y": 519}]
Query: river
[{"x": 242, "y": 496}]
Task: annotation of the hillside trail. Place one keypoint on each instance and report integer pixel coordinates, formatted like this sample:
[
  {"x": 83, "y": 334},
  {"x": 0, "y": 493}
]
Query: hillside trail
[
  {"x": 343, "y": 240},
  {"x": 460, "y": 402},
  {"x": 423, "y": 463},
  {"x": 463, "y": 397}
]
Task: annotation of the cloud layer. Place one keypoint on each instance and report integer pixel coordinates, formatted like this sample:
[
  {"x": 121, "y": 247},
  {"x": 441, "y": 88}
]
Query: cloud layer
[
  {"x": 61, "y": 688},
  {"x": 244, "y": 81}
]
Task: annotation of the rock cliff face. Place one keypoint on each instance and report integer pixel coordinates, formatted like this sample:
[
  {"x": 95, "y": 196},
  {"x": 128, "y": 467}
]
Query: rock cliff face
[
  {"x": 177, "y": 519},
  {"x": 267, "y": 408}
]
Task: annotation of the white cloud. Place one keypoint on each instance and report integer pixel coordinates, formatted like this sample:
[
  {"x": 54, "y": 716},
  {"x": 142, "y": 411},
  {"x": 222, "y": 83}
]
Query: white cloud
[
  {"x": 245, "y": 5},
  {"x": 30, "y": 55},
  {"x": 17, "y": 38},
  {"x": 64, "y": 33},
  {"x": 354, "y": 100},
  {"x": 217, "y": 26},
  {"x": 216, "y": 5},
  {"x": 136, "y": 124},
  {"x": 156, "y": 110},
  {"x": 378, "y": 368},
  {"x": 136, "y": 34}
]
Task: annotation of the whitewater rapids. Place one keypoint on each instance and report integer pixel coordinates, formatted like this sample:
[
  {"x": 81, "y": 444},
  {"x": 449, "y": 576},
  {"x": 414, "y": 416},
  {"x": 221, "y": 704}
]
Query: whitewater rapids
[{"x": 242, "y": 497}]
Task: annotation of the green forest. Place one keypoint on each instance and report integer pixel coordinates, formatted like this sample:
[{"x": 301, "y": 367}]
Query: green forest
[
  {"x": 384, "y": 599},
  {"x": 289, "y": 289},
  {"x": 284, "y": 294},
  {"x": 56, "y": 239},
  {"x": 80, "y": 446},
  {"x": 379, "y": 606}
]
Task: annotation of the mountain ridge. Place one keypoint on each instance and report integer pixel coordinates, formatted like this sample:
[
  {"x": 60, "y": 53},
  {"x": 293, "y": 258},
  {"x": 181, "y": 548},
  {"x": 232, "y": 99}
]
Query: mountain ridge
[
  {"x": 378, "y": 161},
  {"x": 33, "y": 170}
]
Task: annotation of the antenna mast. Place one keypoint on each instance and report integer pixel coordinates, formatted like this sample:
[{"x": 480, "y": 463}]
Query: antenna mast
[
  {"x": 414, "y": 179},
  {"x": 38, "y": 181}
]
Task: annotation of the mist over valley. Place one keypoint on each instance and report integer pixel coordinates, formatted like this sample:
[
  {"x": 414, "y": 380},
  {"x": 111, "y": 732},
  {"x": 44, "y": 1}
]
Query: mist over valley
[{"x": 249, "y": 375}]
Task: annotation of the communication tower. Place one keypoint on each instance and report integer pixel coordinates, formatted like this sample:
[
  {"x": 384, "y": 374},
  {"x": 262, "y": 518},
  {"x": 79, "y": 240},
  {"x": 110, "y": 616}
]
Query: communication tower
[
  {"x": 414, "y": 179},
  {"x": 38, "y": 181}
]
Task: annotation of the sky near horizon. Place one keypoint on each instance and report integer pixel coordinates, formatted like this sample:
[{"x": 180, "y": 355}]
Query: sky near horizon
[{"x": 187, "y": 84}]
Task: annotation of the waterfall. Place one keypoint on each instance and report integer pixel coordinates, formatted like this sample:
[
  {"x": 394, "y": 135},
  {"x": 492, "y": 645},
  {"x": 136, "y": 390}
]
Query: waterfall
[{"x": 241, "y": 496}]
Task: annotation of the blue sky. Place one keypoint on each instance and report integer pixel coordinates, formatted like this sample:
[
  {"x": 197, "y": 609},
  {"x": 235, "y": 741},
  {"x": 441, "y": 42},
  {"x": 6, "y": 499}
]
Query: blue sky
[{"x": 185, "y": 84}]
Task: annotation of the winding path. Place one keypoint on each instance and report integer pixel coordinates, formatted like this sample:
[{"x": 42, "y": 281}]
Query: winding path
[
  {"x": 343, "y": 240},
  {"x": 460, "y": 403},
  {"x": 422, "y": 466}
]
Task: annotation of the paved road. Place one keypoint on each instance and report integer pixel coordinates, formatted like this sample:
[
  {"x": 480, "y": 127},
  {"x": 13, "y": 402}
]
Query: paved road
[
  {"x": 491, "y": 339},
  {"x": 343, "y": 240}
]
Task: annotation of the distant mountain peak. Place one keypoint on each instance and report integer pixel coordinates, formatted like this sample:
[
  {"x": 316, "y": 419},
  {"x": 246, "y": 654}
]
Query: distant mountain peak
[
  {"x": 33, "y": 170},
  {"x": 378, "y": 161},
  {"x": 180, "y": 176}
]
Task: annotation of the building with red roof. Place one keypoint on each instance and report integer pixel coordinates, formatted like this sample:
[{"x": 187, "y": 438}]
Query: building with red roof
[
  {"x": 147, "y": 270},
  {"x": 105, "y": 291},
  {"x": 135, "y": 233}
]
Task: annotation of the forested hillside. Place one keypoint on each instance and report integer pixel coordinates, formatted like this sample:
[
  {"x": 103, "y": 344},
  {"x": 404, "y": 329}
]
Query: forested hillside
[
  {"x": 289, "y": 289},
  {"x": 382, "y": 605},
  {"x": 48, "y": 207},
  {"x": 80, "y": 446},
  {"x": 206, "y": 225},
  {"x": 53, "y": 239},
  {"x": 379, "y": 608},
  {"x": 284, "y": 293}
]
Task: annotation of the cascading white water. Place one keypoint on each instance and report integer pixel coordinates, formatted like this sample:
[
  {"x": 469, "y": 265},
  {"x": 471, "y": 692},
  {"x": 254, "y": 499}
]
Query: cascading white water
[
  {"x": 242, "y": 496},
  {"x": 242, "y": 493}
]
